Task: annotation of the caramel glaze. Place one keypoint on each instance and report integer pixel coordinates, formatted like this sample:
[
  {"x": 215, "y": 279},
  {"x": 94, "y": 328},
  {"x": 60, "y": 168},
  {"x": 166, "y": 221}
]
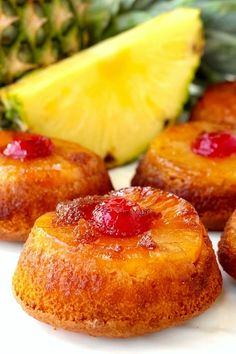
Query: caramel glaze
[{"x": 79, "y": 213}]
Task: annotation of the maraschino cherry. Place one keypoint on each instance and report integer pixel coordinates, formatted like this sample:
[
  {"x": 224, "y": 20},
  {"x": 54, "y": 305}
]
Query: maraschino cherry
[
  {"x": 28, "y": 146},
  {"x": 111, "y": 216},
  {"x": 120, "y": 217},
  {"x": 215, "y": 144}
]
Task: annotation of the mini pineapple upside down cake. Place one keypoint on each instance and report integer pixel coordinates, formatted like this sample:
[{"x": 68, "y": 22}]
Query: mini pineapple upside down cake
[
  {"x": 36, "y": 173},
  {"x": 134, "y": 261},
  {"x": 197, "y": 162}
]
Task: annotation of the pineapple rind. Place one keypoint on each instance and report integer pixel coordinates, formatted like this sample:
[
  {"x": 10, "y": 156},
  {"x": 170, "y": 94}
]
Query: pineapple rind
[{"x": 105, "y": 97}]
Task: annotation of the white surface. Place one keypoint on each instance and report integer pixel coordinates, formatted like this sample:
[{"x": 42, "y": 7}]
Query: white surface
[{"x": 214, "y": 331}]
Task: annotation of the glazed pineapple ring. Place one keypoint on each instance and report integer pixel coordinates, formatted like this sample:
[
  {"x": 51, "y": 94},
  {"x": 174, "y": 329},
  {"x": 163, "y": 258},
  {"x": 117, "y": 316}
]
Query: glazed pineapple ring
[
  {"x": 135, "y": 261},
  {"x": 36, "y": 173},
  {"x": 227, "y": 247},
  {"x": 207, "y": 182}
]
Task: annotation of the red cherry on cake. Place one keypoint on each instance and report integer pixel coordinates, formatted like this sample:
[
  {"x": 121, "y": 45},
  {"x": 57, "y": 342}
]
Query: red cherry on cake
[
  {"x": 215, "y": 144},
  {"x": 28, "y": 146},
  {"x": 121, "y": 218}
]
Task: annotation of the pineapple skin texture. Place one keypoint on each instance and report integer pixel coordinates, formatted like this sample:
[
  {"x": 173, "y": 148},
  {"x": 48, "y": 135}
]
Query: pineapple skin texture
[
  {"x": 175, "y": 168},
  {"x": 37, "y": 33},
  {"x": 93, "y": 289},
  {"x": 116, "y": 96},
  {"x": 31, "y": 188}
]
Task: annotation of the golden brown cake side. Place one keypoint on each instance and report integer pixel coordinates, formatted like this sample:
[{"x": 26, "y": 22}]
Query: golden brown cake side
[
  {"x": 77, "y": 288},
  {"x": 28, "y": 189},
  {"x": 217, "y": 105},
  {"x": 208, "y": 184},
  {"x": 227, "y": 247},
  {"x": 141, "y": 306}
]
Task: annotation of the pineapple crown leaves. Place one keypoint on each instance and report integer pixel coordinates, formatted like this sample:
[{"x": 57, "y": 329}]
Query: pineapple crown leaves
[{"x": 10, "y": 113}]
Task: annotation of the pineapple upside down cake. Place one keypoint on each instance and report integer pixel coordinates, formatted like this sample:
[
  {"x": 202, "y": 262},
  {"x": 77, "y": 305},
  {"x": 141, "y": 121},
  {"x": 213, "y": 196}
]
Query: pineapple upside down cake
[
  {"x": 131, "y": 262},
  {"x": 36, "y": 173},
  {"x": 195, "y": 161}
]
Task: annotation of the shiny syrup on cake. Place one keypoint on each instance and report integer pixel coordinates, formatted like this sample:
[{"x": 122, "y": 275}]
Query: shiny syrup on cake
[{"x": 109, "y": 216}]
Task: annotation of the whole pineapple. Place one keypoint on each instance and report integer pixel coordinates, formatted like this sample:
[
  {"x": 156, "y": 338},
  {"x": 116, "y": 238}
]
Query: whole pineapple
[{"x": 36, "y": 33}]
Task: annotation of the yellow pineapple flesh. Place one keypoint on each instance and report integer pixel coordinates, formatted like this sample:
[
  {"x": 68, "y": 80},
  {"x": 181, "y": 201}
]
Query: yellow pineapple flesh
[{"x": 116, "y": 96}]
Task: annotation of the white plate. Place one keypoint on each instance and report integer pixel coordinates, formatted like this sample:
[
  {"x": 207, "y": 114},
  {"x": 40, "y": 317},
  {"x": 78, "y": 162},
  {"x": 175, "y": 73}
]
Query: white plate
[{"x": 214, "y": 331}]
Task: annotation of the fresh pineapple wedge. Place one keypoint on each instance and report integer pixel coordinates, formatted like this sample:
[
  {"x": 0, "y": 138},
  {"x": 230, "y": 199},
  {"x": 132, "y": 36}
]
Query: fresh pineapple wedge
[{"x": 116, "y": 96}]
